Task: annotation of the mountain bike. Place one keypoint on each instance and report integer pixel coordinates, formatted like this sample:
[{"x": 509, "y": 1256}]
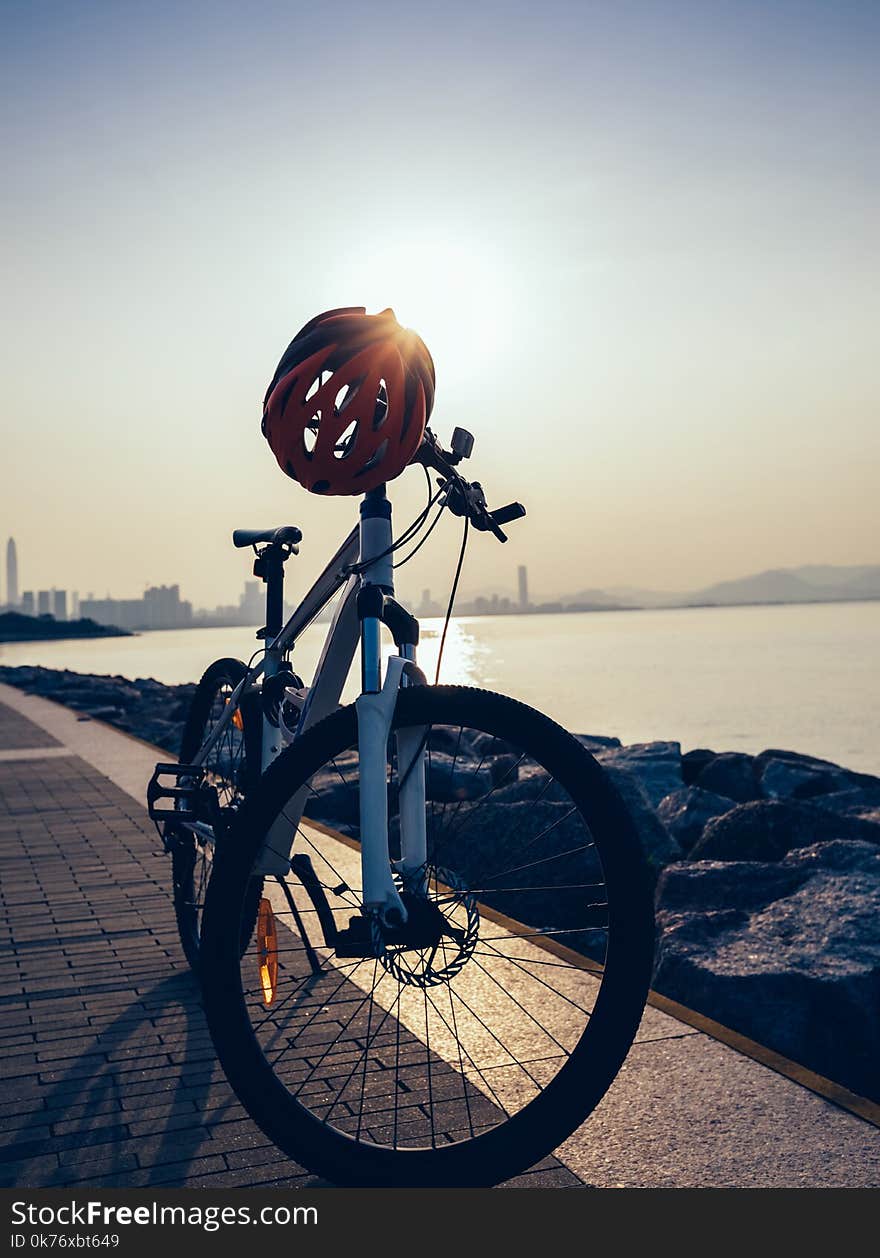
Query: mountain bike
[{"x": 427, "y": 936}]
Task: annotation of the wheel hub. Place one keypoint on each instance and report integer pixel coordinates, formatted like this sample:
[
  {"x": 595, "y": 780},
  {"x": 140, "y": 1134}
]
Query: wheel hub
[{"x": 439, "y": 936}]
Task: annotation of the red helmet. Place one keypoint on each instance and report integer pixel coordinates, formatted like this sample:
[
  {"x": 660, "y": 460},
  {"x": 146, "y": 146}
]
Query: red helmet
[{"x": 348, "y": 404}]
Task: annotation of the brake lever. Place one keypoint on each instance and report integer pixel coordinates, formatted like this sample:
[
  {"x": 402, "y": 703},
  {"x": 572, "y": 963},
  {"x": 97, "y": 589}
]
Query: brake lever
[{"x": 468, "y": 499}]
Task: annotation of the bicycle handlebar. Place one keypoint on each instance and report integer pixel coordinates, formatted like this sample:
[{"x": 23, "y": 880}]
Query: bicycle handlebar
[{"x": 465, "y": 498}]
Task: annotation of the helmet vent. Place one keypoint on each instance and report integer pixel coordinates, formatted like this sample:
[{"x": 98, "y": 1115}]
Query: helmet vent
[
  {"x": 317, "y": 382},
  {"x": 374, "y": 459},
  {"x": 345, "y": 397},
  {"x": 346, "y": 442},
  {"x": 310, "y": 433},
  {"x": 380, "y": 411}
]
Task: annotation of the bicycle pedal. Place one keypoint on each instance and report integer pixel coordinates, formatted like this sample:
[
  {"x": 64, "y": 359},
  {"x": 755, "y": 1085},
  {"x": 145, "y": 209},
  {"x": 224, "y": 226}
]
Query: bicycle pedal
[{"x": 178, "y": 793}]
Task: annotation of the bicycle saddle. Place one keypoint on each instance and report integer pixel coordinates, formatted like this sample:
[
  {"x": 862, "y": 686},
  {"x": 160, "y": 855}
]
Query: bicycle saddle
[{"x": 287, "y": 534}]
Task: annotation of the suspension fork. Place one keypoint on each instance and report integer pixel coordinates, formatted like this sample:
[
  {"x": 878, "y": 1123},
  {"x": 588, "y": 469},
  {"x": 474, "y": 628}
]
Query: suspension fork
[{"x": 375, "y": 712}]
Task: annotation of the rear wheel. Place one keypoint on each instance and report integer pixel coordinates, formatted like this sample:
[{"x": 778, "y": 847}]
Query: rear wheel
[
  {"x": 467, "y": 1046},
  {"x": 226, "y": 765}
]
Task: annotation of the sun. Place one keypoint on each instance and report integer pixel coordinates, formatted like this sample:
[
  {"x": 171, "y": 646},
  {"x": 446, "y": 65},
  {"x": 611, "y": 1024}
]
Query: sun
[{"x": 455, "y": 292}]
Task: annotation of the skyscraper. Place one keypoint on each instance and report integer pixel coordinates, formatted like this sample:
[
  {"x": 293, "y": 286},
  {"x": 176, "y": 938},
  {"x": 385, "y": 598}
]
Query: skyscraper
[
  {"x": 523, "y": 587},
  {"x": 59, "y": 604},
  {"x": 11, "y": 573},
  {"x": 44, "y": 603}
]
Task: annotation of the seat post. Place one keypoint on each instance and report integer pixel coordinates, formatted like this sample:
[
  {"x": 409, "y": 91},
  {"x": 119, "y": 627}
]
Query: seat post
[{"x": 273, "y": 560}]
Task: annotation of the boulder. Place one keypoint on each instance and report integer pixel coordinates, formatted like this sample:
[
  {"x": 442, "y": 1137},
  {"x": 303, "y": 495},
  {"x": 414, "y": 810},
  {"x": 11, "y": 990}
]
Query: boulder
[
  {"x": 489, "y": 745},
  {"x": 111, "y": 715},
  {"x": 597, "y": 742},
  {"x": 656, "y": 765},
  {"x": 732, "y": 774},
  {"x": 334, "y": 801},
  {"x": 504, "y": 770},
  {"x": 150, "y": 688},
  {"x": 763, "y": 758},
  {"x": 451, "y": 739},
  {"x": 686, "y": 812},
  {"x": 780, "y": 779},
  {"x": 102, "y": 693},
  {"x": 693, "y": 762},
  {"x": 765, "y": 830},
  {"x": 786, "y": 953},
  {"x": 449, "y": 778},
  {"x": 790, "y": 775},
  {"x": 860, "y": 801},
  {"x": 531, "y": 783},
  {"x": 657, "y": 843}
]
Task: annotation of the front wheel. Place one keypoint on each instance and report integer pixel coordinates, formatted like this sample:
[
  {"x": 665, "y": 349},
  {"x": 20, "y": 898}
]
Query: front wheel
[{"x": 464, "y": 1048}]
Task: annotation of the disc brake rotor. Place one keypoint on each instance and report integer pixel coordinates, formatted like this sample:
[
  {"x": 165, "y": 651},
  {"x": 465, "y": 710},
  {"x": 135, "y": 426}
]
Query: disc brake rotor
[{"x": 439, "y": 937}]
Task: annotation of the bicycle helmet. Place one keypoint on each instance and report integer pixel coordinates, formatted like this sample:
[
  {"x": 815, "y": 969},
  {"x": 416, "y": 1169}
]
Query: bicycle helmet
[{"x": 349, "y": 401}]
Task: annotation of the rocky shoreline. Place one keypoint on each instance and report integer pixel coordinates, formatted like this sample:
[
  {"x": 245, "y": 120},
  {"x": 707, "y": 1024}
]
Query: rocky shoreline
[
  {"x": 767, "y": 867},
  {"x": 18, "y": 627}
]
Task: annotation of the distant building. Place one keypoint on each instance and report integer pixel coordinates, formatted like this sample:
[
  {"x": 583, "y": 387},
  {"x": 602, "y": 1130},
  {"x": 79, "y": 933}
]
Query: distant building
[
  {"x": 44, "y": 603},
  {"x": 74, "y": 605},
  {"x": 160, "y": 608},
  {"x": 27, "y": 602},
  {"x": 124, "y": 613},
  {"x": 59, "y": 604},
  {"x": 164, "y": 609},
  {"x": 523, "y": 575},
  {"x": 252, "y": 603},
  {"x": 11, "y": 573},
  {"x": 428, "y": 607}
]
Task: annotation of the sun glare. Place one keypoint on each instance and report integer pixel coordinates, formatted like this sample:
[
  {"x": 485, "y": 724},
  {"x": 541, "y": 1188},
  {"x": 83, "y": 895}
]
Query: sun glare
[{"x": 455, "y": 293}]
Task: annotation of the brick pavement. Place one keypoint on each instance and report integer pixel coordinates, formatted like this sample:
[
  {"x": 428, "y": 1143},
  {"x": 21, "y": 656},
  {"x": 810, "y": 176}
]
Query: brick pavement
[{"x": 109, "y": 1075}]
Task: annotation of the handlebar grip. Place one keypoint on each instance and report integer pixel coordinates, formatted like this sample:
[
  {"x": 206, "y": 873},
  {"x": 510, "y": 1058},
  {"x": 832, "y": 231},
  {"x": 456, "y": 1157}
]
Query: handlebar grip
[{"x": 506, "y": 515}]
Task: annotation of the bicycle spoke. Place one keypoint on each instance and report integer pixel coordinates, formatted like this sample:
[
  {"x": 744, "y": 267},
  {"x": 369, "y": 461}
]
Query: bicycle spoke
[
  {"x": 537, "y": 979},
  {"x": 544, "y": 860}
]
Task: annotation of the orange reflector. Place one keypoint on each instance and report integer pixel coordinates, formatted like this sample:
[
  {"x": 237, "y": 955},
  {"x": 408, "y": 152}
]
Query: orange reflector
[
  {"x": 267, "y": 952},
  {"x": 238, "y": 719}
]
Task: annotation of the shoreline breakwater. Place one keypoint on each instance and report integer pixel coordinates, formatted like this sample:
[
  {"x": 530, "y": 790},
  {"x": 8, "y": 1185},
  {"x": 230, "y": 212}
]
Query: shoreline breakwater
[{"x": 767, "y": 874}]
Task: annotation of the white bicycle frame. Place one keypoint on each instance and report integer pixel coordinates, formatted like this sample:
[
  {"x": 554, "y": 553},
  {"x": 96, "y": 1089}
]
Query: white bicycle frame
[{"x": 363, "y": 563}]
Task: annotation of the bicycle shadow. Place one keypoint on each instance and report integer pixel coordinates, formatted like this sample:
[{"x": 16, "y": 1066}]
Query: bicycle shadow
[{"x": 89, "y": 1101}]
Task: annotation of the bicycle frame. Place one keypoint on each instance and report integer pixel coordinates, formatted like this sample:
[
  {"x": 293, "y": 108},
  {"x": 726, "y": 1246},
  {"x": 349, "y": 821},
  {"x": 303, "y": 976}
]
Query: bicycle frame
[{"x": 362, "y": 569}]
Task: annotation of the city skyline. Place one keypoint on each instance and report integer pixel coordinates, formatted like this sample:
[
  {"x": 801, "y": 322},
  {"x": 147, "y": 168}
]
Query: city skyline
[{"x": 161, "y": 607}]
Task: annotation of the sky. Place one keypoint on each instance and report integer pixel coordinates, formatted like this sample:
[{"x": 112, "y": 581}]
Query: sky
[{"x": 640, "y": 238}]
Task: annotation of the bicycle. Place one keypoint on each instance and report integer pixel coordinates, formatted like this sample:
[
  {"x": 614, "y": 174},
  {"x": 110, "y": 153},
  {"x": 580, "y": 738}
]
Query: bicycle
[{"x": 427, "y": 938}]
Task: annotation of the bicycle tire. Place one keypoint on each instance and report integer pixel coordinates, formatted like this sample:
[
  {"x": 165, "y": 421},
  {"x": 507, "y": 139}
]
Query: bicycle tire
[
  {"x": 515, "y": 1141},
  {"x": 190, "y": 859}
]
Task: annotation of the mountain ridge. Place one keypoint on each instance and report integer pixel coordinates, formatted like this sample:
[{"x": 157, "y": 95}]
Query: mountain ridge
[{"x": 808, "y": 583}]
